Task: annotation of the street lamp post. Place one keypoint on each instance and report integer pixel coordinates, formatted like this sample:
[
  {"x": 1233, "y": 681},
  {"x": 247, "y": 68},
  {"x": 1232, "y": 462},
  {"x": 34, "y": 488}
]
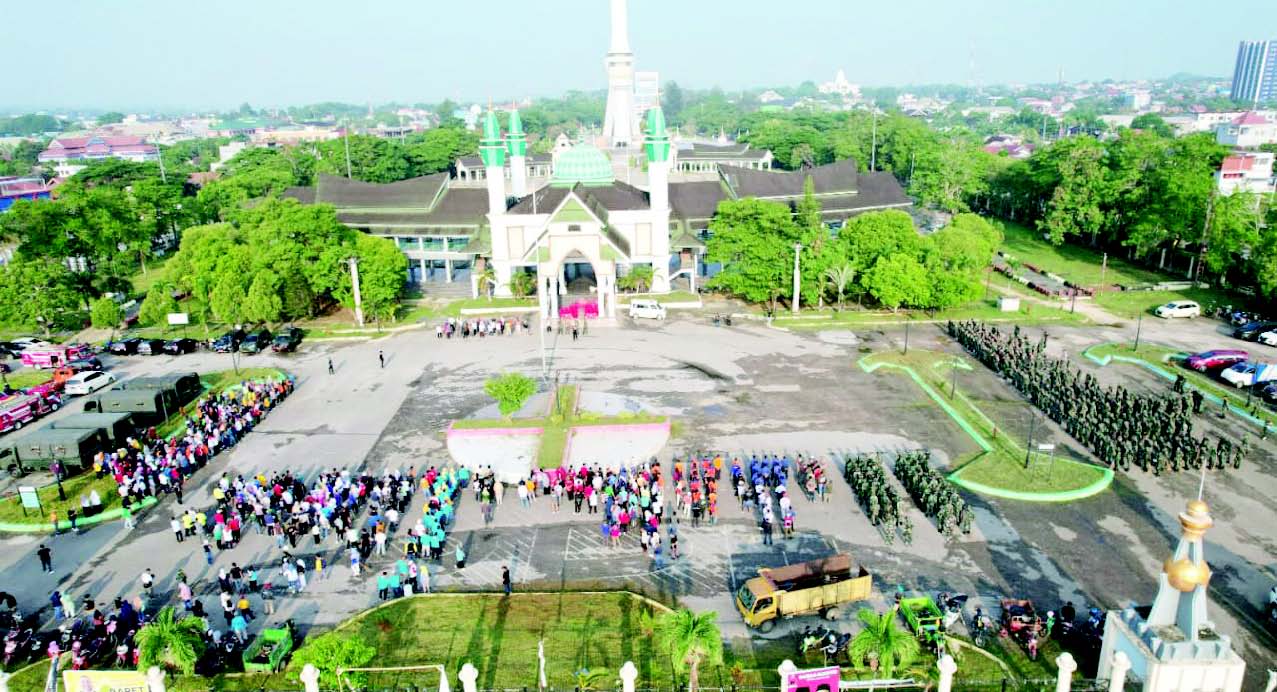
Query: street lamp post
[
  {"x": 906, "y": 338},
  {"x": 1139, "y": 324},
  {"x": 797, "y": 278}
]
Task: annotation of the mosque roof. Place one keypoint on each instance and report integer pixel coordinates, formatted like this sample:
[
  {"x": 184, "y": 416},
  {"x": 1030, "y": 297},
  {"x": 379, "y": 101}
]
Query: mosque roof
[{"x": 582, "y": 164}]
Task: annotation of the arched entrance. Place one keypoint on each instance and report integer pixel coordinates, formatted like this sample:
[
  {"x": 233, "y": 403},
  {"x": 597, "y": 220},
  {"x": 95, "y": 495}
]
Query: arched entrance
[
  {"x": 577, "y": 281},
  {"x": 578, "y": 275}
]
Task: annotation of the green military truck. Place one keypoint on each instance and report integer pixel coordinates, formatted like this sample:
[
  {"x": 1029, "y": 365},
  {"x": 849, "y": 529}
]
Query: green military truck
[
  {"x": 38, "y": 449},
  {"x": 186, "y": 387},
  {"x": 115, "y": 427},
  {"x": 148, "y": 406}
]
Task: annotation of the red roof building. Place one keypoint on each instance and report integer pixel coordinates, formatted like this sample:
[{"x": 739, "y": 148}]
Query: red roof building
[{"x": 85, "y": 149}]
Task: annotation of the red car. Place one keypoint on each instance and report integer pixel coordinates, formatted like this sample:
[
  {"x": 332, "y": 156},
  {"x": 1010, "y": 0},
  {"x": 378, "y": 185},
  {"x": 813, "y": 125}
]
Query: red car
[{"x": 1215, "y": 360}]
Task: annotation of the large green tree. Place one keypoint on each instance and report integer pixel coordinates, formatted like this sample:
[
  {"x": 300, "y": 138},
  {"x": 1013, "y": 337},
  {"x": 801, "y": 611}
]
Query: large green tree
[
  {"x": 882, "y": 641},
  {"x": 899, "y": 280},
  {"x": 754, "y": 240},
  {"x": 172, "y": 643}
]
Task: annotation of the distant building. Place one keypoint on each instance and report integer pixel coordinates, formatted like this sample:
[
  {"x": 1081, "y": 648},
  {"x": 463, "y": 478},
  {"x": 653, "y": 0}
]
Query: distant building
[
  {"x": 994, "y": 112},
  {"x": 13, "y": 189},
  {"x": 1255, "y": 74},
  {"x": 1248, "y": 130},
  {"x": 71, "y": 154},
  {"x": 1137, "y": 100},
  {"x": 1011, "y": 146},
  {"x": 840, "y": 86},
  {"x": 1247, "y": 172}
]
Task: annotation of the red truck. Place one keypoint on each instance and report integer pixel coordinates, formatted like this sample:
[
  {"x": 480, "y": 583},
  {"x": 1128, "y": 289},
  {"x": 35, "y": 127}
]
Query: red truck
[{"x": 16, "y": 410}]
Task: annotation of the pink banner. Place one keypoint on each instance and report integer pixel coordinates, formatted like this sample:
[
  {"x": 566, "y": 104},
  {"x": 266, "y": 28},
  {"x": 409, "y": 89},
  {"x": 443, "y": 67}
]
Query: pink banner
[
  {"x": 813, "y": 680},
  {"x": 581, "y": 308}
]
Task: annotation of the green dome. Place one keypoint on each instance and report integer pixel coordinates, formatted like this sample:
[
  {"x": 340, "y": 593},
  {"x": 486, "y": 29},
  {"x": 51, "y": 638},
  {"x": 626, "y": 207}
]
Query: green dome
[{"x": 582, "y": 164}]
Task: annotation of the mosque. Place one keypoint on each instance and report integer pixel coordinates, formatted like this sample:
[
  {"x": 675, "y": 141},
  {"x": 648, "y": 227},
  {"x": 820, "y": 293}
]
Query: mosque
[{"x": 585, "y": 215}]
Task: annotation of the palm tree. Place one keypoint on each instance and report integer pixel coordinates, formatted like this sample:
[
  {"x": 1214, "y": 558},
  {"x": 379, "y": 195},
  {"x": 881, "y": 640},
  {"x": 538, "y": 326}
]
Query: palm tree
[
  {"x": 488, "y": 277},
  {"x": 692, "y": 638},
  {"x": 594, "y": 680},
  {"x": 642, "y": 275},
  {"x": 172, "y": 643},
  {"x": 840, "y": 277},
  {"x": 883, "y": 641}
]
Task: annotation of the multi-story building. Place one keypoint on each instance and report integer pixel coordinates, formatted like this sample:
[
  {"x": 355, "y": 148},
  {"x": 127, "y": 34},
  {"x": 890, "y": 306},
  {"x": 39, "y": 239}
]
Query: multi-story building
[
  {"x": 1255, "y": 74},
  {"x": 1245, "y": 172},
  {"x": 71, "y": 154},
  {"x": 1247, "y": 131},
  {"x": 13, "y": 189}
]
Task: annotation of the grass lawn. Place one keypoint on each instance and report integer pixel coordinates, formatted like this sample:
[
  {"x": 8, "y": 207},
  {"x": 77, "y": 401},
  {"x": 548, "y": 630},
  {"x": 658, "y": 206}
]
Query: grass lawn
[
  {"x": 984, "y": 310},
  {"x": 1132, "y": 304},
  {"x": 27, "y": 377},
  {"x": 154, "y": 272},
  {"x": 1078, "y": 264},
  {"x": 580, "y": 631},
  {"x": 1001, "y": 465},
  {"x": 83, "y": 483}
]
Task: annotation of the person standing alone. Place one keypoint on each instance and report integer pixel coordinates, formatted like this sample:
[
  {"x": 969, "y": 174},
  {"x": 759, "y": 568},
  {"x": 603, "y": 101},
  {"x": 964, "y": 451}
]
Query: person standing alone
[
  {"x": 505, "y": 580},
  {"x": 381, "y": 357},
  {"x": 46, "y": 558}
]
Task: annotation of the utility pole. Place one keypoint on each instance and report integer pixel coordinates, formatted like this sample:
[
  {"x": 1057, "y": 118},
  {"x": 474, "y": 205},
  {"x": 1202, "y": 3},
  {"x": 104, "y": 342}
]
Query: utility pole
[
  {"x": 906, "y": 338},
  {"x": 873, "y": 150},
  {"x": 1139, "y": 323},
  {"x": 347, "y": 138},
  {"x": 1028, "y": 448},
  {"x": 354, "y": 283},
  {"x": 163, "y": 175},
  {"x": 1104, "y": 267},
  {"x": 797, "y": 278}
]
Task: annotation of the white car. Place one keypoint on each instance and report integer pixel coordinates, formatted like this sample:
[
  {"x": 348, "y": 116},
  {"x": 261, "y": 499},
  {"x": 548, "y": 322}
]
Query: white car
[
  {"x": 1179, "y": 308},
  {"x": 647, "y": 309},
  {"x": 88, "y": 382},
  {"x": 1243, "y": 374},
  {"x": 1268, "y": 338}
]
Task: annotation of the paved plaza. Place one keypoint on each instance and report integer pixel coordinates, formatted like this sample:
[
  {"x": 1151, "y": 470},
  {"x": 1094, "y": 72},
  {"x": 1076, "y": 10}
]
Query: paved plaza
[{"x": 739, "y": 390}]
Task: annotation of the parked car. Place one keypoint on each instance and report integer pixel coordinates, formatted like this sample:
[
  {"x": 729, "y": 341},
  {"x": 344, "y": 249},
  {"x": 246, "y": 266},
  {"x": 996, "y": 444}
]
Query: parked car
[
  {"x": 9, "y": 349},
  {"x": 646, "y": 309},
  {"x": 31, "y": 342},
  {"x": 150, "y": 347},
  {"x": 1251, "y": 330},
  {"x": 125, "y": 347},
  {"x": 229, "y": 341},
  {"x": 85, "y": 364},
  {"x": 176, "y": 347},
  {"x": 1269, "y": 392},
  {"x": 1268, "y": 338},
  {"x": 1216, "y": 359},
  {"x": 1248, "y": 373},
  {"x": 287, "y": 340},
  {"x": 1179, "y": 308},
  {"x": 256, "y": 342},
  {"x": 88, "y": 382}
]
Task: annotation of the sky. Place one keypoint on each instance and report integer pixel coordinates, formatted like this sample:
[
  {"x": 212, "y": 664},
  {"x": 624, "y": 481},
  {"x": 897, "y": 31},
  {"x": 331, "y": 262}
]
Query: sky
[{"x": 142, "y": 54}]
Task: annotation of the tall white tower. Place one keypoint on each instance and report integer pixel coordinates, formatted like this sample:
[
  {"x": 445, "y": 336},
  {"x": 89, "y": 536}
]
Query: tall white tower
[{"x": 620, "y": 125}]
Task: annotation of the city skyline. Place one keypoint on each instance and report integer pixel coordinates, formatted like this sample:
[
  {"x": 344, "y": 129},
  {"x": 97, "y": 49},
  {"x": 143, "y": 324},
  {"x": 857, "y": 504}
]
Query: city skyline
[{"x": 150, "y": 55}]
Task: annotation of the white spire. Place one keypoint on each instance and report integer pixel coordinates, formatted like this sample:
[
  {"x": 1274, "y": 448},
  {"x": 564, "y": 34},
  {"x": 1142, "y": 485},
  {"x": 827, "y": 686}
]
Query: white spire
[{"x": 620, "y": 28}]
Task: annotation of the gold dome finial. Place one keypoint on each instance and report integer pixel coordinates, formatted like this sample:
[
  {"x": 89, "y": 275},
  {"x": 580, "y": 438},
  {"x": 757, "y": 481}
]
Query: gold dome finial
[
  {"x": 1195, "y": 519},
  {"x": 1186, "y": 575}
]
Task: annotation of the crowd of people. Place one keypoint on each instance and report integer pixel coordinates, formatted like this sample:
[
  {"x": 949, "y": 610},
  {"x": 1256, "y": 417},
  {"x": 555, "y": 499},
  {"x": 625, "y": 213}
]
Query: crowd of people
[
  {"x": 150, "y": 465},
  {"x": 482, "y": 327},
  {"x": 878, "y": 499},
  {"x": 1123, "y": 429},
  {"x": 934, "y": 495},
  {"x": 764, "y": 481}
]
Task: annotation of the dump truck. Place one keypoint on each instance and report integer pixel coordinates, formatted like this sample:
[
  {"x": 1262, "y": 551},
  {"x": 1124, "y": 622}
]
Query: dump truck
[
  {"x": 821, "y": 586},
  {"x": 186, "y": 387},
  {"x": 38, "y": 449},
  {"x": 114, "y": 427}
]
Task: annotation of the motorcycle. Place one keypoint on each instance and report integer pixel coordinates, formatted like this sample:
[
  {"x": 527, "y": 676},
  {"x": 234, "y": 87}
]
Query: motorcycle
[
  {"x": 951, "y": 605},
  {"x": 981, "y": 626}
]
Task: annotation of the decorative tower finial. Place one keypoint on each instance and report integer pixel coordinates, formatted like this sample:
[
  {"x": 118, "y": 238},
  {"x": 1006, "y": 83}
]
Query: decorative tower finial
[
  {"x": 657, "y": 141},
  {"x": 1181, "y": 593},
  {"x": 491, "y": 148}
]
